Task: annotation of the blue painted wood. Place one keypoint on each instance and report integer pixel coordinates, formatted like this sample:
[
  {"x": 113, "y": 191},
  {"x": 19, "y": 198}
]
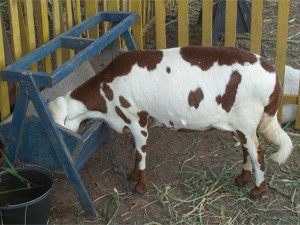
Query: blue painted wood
[
  {"x": 38, "y": 139},
  {"x": 75, "y": 43}
]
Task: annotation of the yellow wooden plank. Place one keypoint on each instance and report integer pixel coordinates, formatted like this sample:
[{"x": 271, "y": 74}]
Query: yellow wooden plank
[
  {"x": 45, "y": 30},
  {"x": 137, "y": 28},
  {"x": 183, "y": 23},
  {"x": 207, "y": 10},
  {"x": 15, "y": 28},
  {"x": 230, "y": 22},
  {"x": 297, "y": 124},
  {"x": 160, "y": 24},
  {"x": 29, "y": 25},
  {"x": 281, "y": 41},
  {"x": 69, "y": 17},
  {"x": 22, "y": 29},
  {"x": 256, "y": 26},
  {"x": 57, "y": 29},
  {"x": 91, "y": 8},
  {"x": 77, "y": 12},
  {"x": 4, "y": 97},
  {"x": 114, "y": 6},
  {"x": 289, "y": 99}
]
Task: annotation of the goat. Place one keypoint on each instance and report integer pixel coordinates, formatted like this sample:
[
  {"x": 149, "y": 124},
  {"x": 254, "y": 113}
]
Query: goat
[{"x": 187, "y": 88}]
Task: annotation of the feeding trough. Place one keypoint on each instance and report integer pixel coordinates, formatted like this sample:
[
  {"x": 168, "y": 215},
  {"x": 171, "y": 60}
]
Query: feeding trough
[{"x": 32, "y": 135}]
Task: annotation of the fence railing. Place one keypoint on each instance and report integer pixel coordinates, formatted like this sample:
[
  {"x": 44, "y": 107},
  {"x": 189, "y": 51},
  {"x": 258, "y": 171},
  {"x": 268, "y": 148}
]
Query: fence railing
[{"x": 36, "y": 22}]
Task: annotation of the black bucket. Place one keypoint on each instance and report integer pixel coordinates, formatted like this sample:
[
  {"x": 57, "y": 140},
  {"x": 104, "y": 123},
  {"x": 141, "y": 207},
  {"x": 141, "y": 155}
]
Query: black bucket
[{"x": 26, "y": 206}]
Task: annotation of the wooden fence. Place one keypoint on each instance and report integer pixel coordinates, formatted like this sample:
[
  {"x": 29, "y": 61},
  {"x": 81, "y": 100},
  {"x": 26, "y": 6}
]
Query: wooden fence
[{"x": 36, "y": 22}]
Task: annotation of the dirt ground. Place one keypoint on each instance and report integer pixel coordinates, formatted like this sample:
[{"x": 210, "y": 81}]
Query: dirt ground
[{"x": 190, "y": 174}]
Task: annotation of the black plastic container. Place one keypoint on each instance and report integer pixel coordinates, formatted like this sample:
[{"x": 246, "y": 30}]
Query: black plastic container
[{"x": 26, "y": 206}]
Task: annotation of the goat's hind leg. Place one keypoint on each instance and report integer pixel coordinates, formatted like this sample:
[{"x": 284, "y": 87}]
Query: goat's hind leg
[{"x": 251, "y": 146}]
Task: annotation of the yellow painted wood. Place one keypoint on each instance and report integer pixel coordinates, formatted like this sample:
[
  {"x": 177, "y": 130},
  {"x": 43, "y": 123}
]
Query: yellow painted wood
[
  {"x": 40, "y": 9},
  {"x": 57, "y": 29},
  {"x": 114, "y": 6},
  {"x": 15, "y": 28},
  {"x": 281, "y": 42},
  {"x": 69, "y": 17},
  {"x": 4, "y": 97},
  {"x": 105, "y": 24},
  {"x": 91, "y": 8},
  {"x": 137, "y": 28},
  {"x": 230, "y": 22},
  {"x": 160, "y": 24},
  {"x": 297, "y": 124},
  {"x": 183, "y": 23},
  {"x": 22, "y": 29},
  {"x": 256, "y": 26},
  {"x": 290, "y": 99},
  {"x": 29, "y": 25},
  {"x": 77, "y": 12},
  {"x": 207, "y": 10}
]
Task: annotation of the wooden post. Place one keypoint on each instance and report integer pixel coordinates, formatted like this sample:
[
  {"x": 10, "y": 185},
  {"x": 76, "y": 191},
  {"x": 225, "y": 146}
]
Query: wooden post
[
  {"x": 160, "y": 24},
  {"x": 230, "y": 22},
  {"x": 91, "y": 8},
  {"x": 281, "y": 42},
  {"x": 137, "y": 28},
  {"x": 256, "y": 26}
]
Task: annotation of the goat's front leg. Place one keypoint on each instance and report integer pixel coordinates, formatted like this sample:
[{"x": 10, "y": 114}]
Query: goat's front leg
[{"x": 139, "y": 173}]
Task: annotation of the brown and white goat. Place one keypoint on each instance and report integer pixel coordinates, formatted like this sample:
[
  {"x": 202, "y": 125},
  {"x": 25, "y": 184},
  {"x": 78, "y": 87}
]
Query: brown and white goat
[{"x": 194, "y": 88}]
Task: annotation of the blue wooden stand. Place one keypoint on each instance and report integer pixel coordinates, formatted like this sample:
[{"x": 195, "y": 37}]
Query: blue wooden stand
[{"x": 37, "y": 139}]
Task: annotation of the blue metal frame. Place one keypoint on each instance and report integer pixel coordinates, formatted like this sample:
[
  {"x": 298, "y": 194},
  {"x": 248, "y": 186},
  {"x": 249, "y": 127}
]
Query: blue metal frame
[{"x": 71, "y": 151}]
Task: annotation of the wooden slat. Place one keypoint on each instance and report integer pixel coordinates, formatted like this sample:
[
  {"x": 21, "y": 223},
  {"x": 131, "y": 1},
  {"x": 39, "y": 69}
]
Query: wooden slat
[
  {"x": 281, "y": 41},
  {"x": 114, "y": 6},
  {"x": 183, "y": 23},
  {"x": 297, "y": 124},
  {"x": 22, "y": 30},
  {"x": 230, "y": 23},
  {"x": 40, "y": 9},
  {"x": 207, "y": 9},
  {"x": 57, "y": 29},
  {"x": 256, "y": 26},
  {"x": 77, "y": 12},
  {"x": 160, "y": 24},
  {"x": 290, "y": 99},
  {"x": 137, "y": 28},
  {"x": 29, "y": 25},
  {"x": 15, "y": 27},
  {"x": 69, "y": 18},
  {"x": 91, "y": 8},
  {"x": 4, "y": 98}
]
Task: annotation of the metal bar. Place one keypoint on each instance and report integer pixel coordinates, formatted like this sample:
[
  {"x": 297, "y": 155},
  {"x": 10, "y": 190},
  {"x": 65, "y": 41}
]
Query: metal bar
[{"x": 129, "y": 40}]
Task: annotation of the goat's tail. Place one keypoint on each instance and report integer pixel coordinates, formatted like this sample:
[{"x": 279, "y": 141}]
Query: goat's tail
[{"x": 272, "y": 131}]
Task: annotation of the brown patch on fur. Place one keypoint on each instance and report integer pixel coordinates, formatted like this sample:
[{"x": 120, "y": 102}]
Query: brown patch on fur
[
  {"x": 243, "y": 179},
  {"x": 195, "y": 97},
  {"x": 89, "y": 94},
  {"x": 109, "y": 94},
  {"x": 266, "y": 65},
  {"x": 144, "y": 133},
  {"x": 274, "y": 99},
  {"x": 143, "y": 118},
  {"x": 168, "y": 70},
  {"x": 122, "y": 115},
  {"x": 228, "y": 98},
  {"x": 135, "y": 173},
  {"x": 124, "y": 102},
  {"x": 260, "y": 159},
  {"x": 242, "y": 137},
  {"x": 205, "y": 57},
  {"x": 259, "y": 191},
  {"x": 144, "y": 148},
  {"x": 171, "y": 123},
  {"x": 141, "y": 185}
]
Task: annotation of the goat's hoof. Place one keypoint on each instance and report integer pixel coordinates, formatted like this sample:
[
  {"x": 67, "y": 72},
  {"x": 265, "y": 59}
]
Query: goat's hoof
[
  {"x": 140, "y": 188},
  {"x": 257, "y": 192},
  {"x": 134, "y": 176},
  {"x": 243, "y": 179}
]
